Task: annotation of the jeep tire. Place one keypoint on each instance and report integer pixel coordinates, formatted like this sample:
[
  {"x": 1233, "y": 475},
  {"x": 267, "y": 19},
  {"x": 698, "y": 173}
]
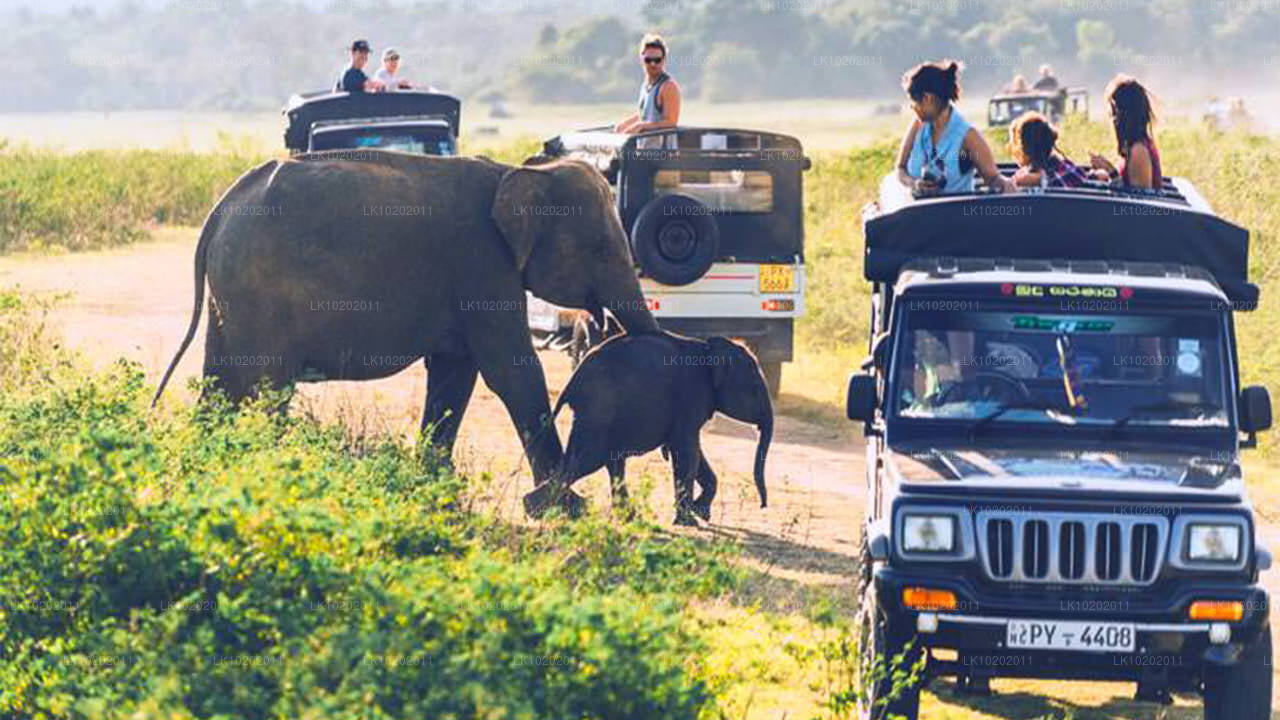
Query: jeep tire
[
  {"x": 881, "y": 639},
  {"x": 1241, "y": 691},
  {"x": 675, "y": 239}
]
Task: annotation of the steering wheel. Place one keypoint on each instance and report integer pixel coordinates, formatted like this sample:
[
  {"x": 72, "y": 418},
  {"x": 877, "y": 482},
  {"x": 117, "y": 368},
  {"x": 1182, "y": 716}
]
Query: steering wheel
[{"x": 990, "y": 386}]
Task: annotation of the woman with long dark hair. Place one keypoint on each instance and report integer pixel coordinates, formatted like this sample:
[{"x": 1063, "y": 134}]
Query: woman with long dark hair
[
  {"x": 1033, "y": 142},
  {"x": 940, "y": 151},
  {"x": 1134, "y": 121}
]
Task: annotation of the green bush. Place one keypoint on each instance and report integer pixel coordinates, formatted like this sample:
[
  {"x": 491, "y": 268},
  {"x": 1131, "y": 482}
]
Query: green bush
[{"x": 203, "y": 563}]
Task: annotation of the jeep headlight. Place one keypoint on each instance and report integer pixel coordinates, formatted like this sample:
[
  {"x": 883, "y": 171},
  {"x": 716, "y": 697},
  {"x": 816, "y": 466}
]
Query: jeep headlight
[
  {"x": 1208, "y": 542},
  {"x": 928, "y": 533}
]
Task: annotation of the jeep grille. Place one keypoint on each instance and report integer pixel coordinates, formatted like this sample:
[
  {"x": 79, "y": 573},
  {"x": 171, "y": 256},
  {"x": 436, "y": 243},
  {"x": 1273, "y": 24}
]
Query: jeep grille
[{"x": 1072, "y": 548}]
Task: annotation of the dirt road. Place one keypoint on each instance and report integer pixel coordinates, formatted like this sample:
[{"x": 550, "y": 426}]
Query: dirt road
[{"x": 136, "y": 303}]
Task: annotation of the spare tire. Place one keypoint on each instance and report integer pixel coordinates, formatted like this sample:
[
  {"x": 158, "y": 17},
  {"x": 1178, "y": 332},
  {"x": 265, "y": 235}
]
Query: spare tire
[{"x": 675, "y": 239}]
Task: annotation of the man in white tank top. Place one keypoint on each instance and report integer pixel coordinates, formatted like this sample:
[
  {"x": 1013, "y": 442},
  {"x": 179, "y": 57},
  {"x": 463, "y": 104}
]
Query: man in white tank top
[{"x": 659, "y": 105}]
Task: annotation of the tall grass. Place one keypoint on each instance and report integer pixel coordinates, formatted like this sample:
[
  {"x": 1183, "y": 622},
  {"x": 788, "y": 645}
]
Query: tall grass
[{"x": 100, "y": 198}]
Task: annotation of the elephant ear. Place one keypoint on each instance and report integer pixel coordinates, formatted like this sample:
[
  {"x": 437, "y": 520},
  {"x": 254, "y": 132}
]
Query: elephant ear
[{"x": 515, "y": 211}]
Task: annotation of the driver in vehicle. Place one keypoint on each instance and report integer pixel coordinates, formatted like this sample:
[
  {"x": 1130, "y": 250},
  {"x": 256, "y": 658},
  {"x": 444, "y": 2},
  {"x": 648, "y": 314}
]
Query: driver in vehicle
[{"x": 659, "y": 105}]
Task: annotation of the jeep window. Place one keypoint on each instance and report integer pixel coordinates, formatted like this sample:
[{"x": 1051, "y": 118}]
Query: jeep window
[
  {"x": 746, "y": 191},
  {"x": 416, "y": 143},
  {"x": 1142, "y": 368}
]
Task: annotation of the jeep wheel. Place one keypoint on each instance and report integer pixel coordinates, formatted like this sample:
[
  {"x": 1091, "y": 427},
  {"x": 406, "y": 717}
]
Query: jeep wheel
[
  {"x": 675, "y": 239},
  {"x": 1242, "y": 691},
  {"x": 880, "y": 642}
]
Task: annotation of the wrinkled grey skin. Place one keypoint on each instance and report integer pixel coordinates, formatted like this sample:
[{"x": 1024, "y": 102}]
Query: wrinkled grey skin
[
  {"x": 633, "y": 394},
  {"x": 354, "y": 265}
]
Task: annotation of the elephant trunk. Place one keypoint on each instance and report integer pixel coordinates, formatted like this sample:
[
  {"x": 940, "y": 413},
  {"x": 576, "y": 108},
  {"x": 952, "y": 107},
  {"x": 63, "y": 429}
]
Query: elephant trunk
[
  {"x": 762, "y": 450},
  {"x": 631, "y": 310}
]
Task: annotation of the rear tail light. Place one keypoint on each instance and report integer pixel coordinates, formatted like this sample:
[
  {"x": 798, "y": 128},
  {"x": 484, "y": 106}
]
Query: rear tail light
[{"x": 778, "y": 305}]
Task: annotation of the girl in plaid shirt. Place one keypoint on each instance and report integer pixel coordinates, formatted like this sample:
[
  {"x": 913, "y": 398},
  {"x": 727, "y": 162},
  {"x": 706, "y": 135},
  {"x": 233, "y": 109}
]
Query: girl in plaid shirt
[{"x": 1033, "y": 142}]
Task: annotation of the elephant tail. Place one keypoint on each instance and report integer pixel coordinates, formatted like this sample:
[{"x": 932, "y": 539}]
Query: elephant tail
[
  {"x": 212, "y": 224},
  {"x": 210, "y": 227}
]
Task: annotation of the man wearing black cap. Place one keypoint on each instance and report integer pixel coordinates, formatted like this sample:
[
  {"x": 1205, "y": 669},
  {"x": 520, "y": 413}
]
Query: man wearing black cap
[{"x": 353, "y": 78}]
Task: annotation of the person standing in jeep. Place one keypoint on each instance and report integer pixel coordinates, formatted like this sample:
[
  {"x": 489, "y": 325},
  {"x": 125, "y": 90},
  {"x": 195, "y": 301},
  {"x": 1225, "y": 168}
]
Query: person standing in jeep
[
  {"x": 354, "y": 79},
  {"x": 659, "y": 105}
]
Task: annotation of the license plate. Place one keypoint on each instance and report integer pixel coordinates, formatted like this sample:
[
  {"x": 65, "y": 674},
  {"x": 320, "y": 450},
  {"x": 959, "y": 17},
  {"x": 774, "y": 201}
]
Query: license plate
[
  {"x": 777, "y": 278},
  {"x": 1070, "y": 635}
]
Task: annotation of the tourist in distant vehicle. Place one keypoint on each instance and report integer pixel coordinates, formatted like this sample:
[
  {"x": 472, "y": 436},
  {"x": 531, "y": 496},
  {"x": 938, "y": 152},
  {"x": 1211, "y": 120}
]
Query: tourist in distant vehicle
[
  {"x": 659, "y": 93},
  {"x": 940, "y": 151},
  {"x": 1018, "y": 86},
  {"x": 353, "y": 79},
  {"x": 1133, "y": 120},
  {"x": 388, "y": 73},
  {"x": 1033, "y": 143},
  {"x": 1046, "y": 81}
]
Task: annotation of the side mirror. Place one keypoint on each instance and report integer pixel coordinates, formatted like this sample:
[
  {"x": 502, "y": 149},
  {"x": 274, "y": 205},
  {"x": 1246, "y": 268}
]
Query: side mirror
[
  {"x": 860, "y": 403},
  {"x": 1255, "y": 409}
]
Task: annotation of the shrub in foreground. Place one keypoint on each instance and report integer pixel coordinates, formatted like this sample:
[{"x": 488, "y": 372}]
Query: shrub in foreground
[{"x": 248, "y": 565}]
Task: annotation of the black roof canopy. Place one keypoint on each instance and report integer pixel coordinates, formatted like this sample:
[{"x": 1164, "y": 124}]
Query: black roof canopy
[
  {"x": 1174, "y": 227},
  {"x": 305, "y": 110}
]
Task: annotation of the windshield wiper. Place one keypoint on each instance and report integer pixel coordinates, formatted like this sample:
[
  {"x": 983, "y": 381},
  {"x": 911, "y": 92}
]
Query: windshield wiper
[
  {"x": 987, "y": 420},
  {"x": 1157, "y": 409}
]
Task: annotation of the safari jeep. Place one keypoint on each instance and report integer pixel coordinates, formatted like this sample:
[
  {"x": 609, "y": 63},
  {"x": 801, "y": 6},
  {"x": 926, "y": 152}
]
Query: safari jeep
[
  {"x": 715, "y": 219},
  {"x": 1054, "y": 419},
  {"x": 1004, "y": 108},
  {"x": 413, "y": 121}
]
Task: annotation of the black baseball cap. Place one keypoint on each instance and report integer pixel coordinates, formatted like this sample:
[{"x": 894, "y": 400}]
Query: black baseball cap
[{"x": 360, "y": 45}]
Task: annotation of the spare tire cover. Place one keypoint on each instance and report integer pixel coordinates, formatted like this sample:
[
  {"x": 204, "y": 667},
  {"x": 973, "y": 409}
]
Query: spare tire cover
[{"x": 675, "y": 239}]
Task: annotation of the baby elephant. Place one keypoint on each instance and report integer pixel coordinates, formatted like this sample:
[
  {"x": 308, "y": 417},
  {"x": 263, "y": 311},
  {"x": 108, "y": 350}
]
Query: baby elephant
[{"x": 636, "y": 393}]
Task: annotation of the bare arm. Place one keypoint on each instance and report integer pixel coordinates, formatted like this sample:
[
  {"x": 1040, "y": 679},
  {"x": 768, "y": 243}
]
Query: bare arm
[
  {"x": 1138, "y": 167},
  {"x": 904, "y": 152},
  {"x": 985, "y": 162},
  {"x": 627, "y": 123},
  {"x": 1026, "y": 177}
]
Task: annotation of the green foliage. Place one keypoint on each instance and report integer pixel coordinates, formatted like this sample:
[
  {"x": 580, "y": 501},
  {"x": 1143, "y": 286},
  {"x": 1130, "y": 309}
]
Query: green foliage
[
  {"x": 205, "y": 563},
  {"x": 99, "y": 198}
]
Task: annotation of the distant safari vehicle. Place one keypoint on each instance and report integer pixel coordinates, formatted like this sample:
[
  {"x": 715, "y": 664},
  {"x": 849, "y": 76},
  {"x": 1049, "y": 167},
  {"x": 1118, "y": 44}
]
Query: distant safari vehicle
[
  {"x": 715, "y": 218},
  {"x": 1005, "y": 107},
  {"x": 412, "y": 121}
]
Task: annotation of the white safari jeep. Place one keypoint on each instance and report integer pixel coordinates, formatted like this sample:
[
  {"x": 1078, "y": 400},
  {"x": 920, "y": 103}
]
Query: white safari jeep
[{"x": 715, "y": 219}]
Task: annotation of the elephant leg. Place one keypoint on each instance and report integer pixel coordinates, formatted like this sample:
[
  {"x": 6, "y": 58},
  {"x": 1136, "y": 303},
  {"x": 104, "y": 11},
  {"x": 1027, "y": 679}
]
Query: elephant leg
[
  {"x": 618, "y": 485},
  {"x": 584, "y": 453},
  {"x": 708, "y": 483},
  {"x": 239, "y": 366},
  {"x": 450, "y": 381},
  {"x": 515, "y": 376},
  {"x": 685, "y": 457}
]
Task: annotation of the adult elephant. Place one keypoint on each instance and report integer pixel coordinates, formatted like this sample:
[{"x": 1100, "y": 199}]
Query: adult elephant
[{"x": 353, "y": 265}]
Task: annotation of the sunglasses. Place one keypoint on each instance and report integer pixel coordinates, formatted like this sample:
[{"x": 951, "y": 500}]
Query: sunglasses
[{"x": 654, "y": 60}]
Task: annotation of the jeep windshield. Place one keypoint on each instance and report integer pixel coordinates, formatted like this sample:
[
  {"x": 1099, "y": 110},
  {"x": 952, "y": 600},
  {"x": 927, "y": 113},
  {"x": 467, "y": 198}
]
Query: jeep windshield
[
  {"x": 419, "y": 141},
  {"x": 1014, "y": 362}
]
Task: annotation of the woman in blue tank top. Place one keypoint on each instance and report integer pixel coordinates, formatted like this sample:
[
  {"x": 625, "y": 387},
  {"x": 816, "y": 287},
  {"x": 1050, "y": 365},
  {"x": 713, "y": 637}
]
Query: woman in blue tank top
[{"x": 941, "y": 152}]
